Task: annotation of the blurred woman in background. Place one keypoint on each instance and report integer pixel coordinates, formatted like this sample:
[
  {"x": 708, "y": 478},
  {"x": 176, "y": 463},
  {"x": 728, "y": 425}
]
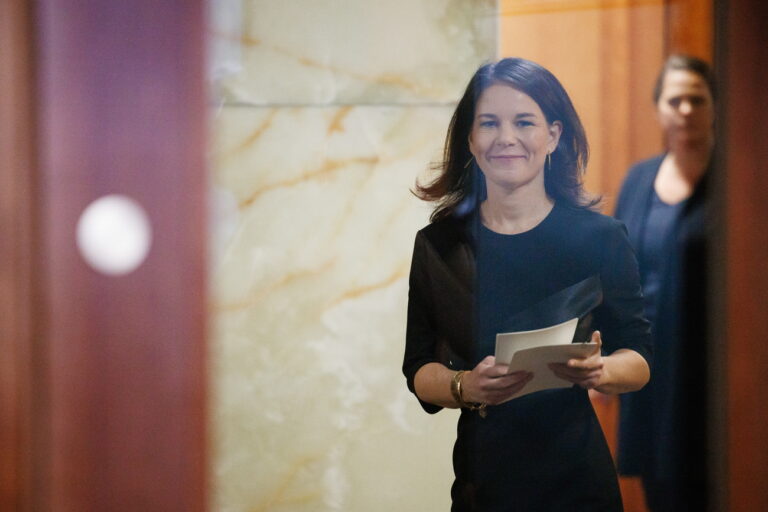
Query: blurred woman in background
[{"x": 662, "y": 431}]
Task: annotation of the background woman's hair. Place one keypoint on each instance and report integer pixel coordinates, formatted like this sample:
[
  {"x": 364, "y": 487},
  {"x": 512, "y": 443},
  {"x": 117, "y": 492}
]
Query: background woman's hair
[
  {"x": 459, "y": 186},
  {"x": 685, "y": 63}
]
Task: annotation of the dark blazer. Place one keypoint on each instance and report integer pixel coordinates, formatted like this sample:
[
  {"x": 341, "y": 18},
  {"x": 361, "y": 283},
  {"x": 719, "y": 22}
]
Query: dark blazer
[
  {"x": 662, "y": 433},
  {"x": 445, "y": 317}
]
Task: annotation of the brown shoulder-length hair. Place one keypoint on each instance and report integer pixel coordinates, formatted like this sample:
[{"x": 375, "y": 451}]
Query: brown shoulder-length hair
[{"x": 459, "y": 186}]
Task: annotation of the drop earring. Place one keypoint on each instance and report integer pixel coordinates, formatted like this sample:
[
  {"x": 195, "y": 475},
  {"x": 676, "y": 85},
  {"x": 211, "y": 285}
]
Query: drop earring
[
  {"x": 468, "y": 162},
  {"x": 549, "y": 161}
]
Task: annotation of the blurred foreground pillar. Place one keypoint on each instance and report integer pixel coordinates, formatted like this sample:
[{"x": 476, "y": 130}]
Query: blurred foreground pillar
[
  {"x": 102, "y": 381},
  {"x": 742, "y": 63}
]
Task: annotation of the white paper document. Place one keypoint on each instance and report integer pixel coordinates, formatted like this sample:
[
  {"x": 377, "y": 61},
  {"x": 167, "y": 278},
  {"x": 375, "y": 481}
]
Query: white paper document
[{"x": 532, "y": 351}]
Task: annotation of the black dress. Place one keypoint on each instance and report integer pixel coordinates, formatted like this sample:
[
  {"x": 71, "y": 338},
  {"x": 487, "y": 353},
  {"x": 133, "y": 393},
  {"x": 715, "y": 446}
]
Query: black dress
[
  {"x": 546, "y": 450},
  {"x": 662, "y": 431}
]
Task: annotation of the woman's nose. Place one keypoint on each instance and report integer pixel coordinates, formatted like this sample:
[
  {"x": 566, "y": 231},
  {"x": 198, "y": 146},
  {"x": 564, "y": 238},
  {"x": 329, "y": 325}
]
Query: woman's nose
[
  {"x": 686, "y": 107},
  {"x": 506, "y": 136}
]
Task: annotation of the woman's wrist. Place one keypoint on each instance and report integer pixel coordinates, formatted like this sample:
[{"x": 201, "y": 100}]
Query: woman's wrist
[
  {"x": 623, "y": 371},
  {"x": 457, "y": 393}
]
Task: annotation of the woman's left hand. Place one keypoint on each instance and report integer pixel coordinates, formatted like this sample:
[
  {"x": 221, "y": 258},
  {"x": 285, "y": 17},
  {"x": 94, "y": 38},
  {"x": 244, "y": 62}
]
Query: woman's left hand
[{"x": 587, "y": 372}]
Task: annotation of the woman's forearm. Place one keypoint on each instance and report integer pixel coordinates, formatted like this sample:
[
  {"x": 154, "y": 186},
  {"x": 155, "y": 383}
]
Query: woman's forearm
[
  {"x": 623, "y": 371},
  {"x": 433, "y": 384}
]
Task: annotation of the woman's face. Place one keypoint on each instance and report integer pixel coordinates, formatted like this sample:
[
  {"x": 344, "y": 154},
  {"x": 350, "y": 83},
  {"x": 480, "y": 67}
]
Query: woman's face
[
  {"x": 685, "y": 108},
  {"x": 510, "y": 138}
]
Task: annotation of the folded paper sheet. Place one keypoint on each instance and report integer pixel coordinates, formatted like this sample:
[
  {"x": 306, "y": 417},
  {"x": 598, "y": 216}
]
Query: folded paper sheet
[{"x": 532, "y": 351}]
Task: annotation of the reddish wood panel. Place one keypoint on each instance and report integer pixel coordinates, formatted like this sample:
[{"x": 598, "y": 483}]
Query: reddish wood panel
[
  {"x": 690, "y": 28},
  {"x": 16, "y": 254},
  {"x": 616, "y": 73},
  {"x": 120, "y": 103},
  {"x": 629, "y": 62},
  {"x": 744, "y": 56}
]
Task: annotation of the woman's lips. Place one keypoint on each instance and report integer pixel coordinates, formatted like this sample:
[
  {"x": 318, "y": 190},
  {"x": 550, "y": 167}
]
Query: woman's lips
[{"x": 506, "y": 158}]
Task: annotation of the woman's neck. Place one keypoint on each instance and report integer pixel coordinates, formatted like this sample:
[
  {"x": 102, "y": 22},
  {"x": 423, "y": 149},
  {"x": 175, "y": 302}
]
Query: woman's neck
[
  {"x": 690, "y": 159},
  {"x": 511, "y": 214},
  {"x": 682, "y": 169}
]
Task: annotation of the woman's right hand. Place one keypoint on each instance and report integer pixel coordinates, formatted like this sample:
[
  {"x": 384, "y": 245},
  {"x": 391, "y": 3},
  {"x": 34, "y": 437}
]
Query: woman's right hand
[{"x": 489, "y": 383}]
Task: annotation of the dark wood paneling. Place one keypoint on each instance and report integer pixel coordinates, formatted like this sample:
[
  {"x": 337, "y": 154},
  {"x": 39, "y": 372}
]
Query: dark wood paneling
[
  {"x": 112, "y": 380},
  {"x": 16, "y": 255},
  {"x": 690, "y": 27},
  {"x": 744, "y": 65}
]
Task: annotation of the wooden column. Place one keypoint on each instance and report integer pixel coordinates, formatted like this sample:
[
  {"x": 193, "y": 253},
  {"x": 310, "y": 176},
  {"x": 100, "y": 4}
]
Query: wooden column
[
  {"x": 111, "y": 374},
  {"x": 743, "y": 187},
  {"x": 689, "y": 28},
  {"x": 17, "y": 253}
]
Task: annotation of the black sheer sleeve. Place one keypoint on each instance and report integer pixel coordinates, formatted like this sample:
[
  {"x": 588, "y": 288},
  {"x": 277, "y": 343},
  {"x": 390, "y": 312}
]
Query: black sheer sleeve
[
  {"x": 621, "y": 317},
  {"x": 420, "y": 336}
]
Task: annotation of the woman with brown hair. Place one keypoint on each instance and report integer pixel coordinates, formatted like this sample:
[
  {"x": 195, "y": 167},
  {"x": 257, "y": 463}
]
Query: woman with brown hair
[{"x": 514, "y": 244}]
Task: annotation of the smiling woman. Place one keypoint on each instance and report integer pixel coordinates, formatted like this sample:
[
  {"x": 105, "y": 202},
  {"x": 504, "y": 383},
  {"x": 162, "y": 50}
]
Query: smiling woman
[
  {"x": 514, "y": 245},
  {"x": 539, "y": 102},
  {"x": 511, "y": 139}
]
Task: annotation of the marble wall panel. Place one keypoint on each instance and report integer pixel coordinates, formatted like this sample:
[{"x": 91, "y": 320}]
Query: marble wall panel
[
  {"x": 349, "y": 51},
  {"x": 313, "y": 230},
  {"x": 326, "y": 112}
]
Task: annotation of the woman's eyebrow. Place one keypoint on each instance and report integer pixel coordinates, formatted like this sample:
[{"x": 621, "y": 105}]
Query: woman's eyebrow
[{"x": 517, "y": 116}]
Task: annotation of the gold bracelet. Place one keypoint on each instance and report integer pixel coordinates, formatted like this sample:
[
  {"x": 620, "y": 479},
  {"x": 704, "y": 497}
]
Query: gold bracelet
[
  {"x": 457, "y": 396},
  {"x": 456, "y": 387}
]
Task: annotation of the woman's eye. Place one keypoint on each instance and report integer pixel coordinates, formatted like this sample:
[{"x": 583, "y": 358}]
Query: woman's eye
[
  {"x": 524, "y": 123},
  {"x": 487, "y": 124}
]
